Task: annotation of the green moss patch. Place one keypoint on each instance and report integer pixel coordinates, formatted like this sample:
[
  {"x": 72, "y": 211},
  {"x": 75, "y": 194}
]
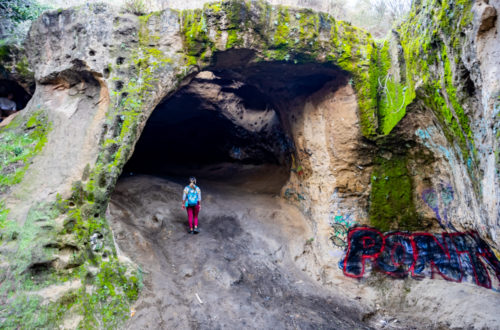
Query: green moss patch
[
  {"x": 279, "y": 33},
  {"x": 431, "y": 39},
  {"x": 18, "y": 145},
  {"x": 394, "y": 97},
  {"x": 107, "y": 287},
  {"x": 391, "y": 198}
]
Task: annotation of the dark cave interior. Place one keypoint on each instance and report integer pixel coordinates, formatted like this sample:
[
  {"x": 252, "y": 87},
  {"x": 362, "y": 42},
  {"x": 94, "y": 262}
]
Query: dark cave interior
[
  {"x": 228, "y": 114},
  {"x": 20, "y": 96}
]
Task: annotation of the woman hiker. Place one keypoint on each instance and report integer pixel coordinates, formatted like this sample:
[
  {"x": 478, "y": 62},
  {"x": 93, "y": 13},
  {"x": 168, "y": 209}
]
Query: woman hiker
[{"x": 191, "y": 202}]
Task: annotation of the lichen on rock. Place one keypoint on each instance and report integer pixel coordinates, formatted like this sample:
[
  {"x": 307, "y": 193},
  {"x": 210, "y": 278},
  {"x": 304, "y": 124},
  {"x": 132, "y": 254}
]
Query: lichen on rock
[
  {"x": 290, "y": 35},
  {"x": 100, "y": 74}
]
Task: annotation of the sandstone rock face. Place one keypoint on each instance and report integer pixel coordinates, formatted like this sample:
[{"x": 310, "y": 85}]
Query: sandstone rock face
[
  {"x": 14, "y": 67},
  {"x": 484, "y": 65},
  {"x": 456, "y": 92},
  {"x": 400, "y": 135},
  {"x": 488, "y": 17}
]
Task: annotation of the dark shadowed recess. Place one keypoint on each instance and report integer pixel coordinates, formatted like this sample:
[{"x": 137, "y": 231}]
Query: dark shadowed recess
[
  {"x": 20, "y": 96},
  {"x": 188, "y": 131}
]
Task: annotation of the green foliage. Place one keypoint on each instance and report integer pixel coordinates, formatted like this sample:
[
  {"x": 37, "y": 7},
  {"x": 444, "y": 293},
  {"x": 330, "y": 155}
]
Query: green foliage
[
  {"x": 3, "y": 215},
  {"x": 136, "y": 7},
  {"x": 27, "y": 310},
  {"x": 282, "y": 25},
  {"x": 24, "y": 307},
  {"x": 104, "y": 300},
  {"x": 16, "y": 16},
  {"x": 18, "y": 146},
  {"x": 22, "y": 67},
  {"x": 21, "y": 10},
  {"x": 237, "y": 15},
  {"x": 108, "y": 304},
  {"x": 359, "y": 57},
  {"x": 107, "y": 287},
  {"x": 4, "y": 53},
  {"x": 395, "y": 98},
  {"x": 32, "y": 238}
]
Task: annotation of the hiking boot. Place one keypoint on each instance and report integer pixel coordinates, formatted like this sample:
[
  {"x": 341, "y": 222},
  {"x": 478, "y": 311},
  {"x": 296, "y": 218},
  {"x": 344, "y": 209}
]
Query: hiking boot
[
  {"x": 190, "y": 231},
  {"x": 196, "y": 231}
]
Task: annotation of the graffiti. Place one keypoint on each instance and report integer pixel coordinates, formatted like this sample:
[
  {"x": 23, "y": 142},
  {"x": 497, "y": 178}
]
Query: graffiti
[
  {"x": 341, "y": 218},
  {"x": 455, "y": 257},
  {"x": 441, "y": 197},
  {"x": 341, "y": 224},
  {"x": 339, "y": 236},
  {"x": 291, "y": 193},
  {"x": 426, "y": 135}
]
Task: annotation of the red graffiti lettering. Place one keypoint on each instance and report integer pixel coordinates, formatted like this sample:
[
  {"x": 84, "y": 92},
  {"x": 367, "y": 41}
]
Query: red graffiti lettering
[{"x": 453, "y": 256}]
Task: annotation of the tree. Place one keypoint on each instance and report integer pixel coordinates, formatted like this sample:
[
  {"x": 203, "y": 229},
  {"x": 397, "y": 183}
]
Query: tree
[
  {"x": 396, "y": 9},
  {"x": 337, "y": 8},
  {"x": 138, "y": 7},
  {"x": 15, "y": 19},
  {"x": 20, "y": 10}
]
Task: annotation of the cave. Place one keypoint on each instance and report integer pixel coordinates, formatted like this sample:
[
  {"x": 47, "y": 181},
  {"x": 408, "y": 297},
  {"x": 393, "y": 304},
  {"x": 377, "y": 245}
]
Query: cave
[
  {"x": 285, "y": 98},
  {"x": 231, "y": 118},
  {"x": 234, "y": 126},
  {"x": 20, "y": 95}
]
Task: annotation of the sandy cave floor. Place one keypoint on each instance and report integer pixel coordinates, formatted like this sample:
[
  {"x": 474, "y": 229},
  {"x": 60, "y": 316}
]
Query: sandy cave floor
[
  {"x": 242, "y": 270},
  {"x": 240, "y": 266}
]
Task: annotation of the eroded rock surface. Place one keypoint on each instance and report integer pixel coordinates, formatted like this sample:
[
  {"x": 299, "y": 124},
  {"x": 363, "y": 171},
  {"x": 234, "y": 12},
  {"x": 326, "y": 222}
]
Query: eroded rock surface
[{"x": 398, "y": 135}]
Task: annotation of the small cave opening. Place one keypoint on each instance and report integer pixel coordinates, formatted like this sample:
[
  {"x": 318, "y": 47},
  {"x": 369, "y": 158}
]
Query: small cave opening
[
  {"x": 230, "y": 121},
  {"x": 14, "y": 92}
]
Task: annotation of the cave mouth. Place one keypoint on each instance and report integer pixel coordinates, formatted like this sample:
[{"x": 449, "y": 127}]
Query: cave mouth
[
  {"x": 20, "y": 95},
  {"x": 230, "y": 120}
]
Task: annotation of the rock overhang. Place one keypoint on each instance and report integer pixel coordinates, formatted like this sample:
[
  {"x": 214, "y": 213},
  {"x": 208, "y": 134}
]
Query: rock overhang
[{"x": 138, "y": 61}]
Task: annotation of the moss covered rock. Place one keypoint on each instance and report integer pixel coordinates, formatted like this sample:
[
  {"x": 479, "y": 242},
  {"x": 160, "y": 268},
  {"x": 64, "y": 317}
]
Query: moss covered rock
[{"x": 106, "y": 71}]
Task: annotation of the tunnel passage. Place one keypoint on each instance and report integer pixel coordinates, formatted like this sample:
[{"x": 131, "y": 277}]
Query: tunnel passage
[{"x": 230, "y": 114}]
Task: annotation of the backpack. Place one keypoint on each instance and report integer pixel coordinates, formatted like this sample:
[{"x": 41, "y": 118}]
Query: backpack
[{"x": 192, "y": 197}]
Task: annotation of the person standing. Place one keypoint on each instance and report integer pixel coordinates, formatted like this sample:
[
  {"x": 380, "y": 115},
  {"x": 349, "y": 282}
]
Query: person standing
[{"x": 191, "y": 202}]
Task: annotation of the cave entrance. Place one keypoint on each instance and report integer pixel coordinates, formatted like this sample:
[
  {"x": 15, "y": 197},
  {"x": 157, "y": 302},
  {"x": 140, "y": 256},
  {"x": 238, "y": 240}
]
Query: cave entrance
[
  {"x": 230, "y": 119},
  {"x": 234, "y": 127},
  {"x": 20, "y": 96}
]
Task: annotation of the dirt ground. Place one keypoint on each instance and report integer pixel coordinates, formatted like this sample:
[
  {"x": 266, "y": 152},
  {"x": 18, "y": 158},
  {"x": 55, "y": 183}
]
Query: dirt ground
[{"x": 238, "y": 272}]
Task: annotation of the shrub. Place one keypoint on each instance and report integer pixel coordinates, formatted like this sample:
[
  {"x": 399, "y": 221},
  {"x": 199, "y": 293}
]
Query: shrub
[
  {"x": 16, "y": 17},
  {"x": 137, "y": 7}
]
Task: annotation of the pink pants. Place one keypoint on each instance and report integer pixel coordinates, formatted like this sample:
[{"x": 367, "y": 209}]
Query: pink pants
[{"x": 193, "y": 211}]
